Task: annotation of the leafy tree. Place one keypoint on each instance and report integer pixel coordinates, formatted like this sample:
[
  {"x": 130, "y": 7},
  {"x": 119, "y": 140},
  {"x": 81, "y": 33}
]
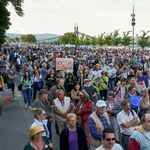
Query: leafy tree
[
  {"x": 101, "y": 40},
  {"x": 126, "y": 39},
  {"x": 93, "y": 40},
  {"x": 82, "y": 41},
  {"x": 116, "y": 39},
  {"x": 143, "y": 41},
  {"x": 5, "y": 16},
  {"x": 87, "y": 40},
  {"x": 68, "y": 37},
  {"x": 16, "y": 39},
  {"x": 109, "y": 39},
  {"x": 22, "y": 38},
  {"x": 30, "y": 38}
]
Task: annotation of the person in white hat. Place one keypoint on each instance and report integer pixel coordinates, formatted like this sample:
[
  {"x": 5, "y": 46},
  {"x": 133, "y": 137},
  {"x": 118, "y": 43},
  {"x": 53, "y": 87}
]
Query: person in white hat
[{"x": 97, "y": 122}]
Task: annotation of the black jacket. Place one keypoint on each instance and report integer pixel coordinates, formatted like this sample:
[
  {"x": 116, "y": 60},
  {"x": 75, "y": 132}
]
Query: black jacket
[{"x": 82, "y": 142}]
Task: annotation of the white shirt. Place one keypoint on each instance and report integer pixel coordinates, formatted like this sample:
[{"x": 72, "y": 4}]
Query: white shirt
[
  {"x": 97, "y": 73},
  {"x": 122, "y": 117},
  {"x": 36, "y": 79},
  {"x": 18, "y": 61},
  {"x": 115, "y": 147}
]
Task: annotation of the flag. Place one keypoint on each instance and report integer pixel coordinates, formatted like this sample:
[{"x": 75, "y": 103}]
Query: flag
[
  {"x": 135, "y": 101},
  {"x": 85, "y": 48}
]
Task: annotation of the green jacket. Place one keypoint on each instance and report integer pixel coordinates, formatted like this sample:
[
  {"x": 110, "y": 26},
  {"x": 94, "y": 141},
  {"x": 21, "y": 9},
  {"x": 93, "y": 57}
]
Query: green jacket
[{"x": 38, "y": 103}]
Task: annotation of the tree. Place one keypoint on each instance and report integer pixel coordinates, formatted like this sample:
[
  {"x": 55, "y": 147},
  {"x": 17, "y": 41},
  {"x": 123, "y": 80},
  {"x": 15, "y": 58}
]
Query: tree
[
  {"x": 143, "y": 41},
  {"x": 81, "y": 39},
  {"x": 126, "y": 39},
  {"x": 68, "y": 38},
  {"x": 101, "y": 40},
  {"x": 30, "y": 38},
  {"x": 93, "y": 40},
  {"x": 5, "y": 16},
  {"x": 22, "y": 38},
  {"x": 16, "y": 39},
  {"x": 109, "y": 39},
  {"x": 116, "y": 39},
  {"x": 87, "y": 40}
]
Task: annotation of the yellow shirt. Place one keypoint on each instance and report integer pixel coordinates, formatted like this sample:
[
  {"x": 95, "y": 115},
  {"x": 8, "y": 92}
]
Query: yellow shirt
[{"x": 1, "y": 79}]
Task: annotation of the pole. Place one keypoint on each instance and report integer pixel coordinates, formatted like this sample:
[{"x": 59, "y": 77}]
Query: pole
[{"x": 133, "y": 30}]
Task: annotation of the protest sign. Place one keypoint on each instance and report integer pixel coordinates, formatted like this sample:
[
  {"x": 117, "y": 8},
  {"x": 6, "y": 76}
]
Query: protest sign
[
  {"x": 65, "y": 64},
  {"x": 142, "y": 83},
  {"x": 5, "y": 97}
]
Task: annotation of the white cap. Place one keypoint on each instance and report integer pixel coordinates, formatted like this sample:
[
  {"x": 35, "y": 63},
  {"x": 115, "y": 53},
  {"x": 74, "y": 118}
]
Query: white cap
[{"x": 100, "y": 103}]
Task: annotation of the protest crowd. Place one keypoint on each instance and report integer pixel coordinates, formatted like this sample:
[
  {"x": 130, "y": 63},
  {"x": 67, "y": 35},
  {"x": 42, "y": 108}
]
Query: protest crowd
[{"x": 98, "y": 98}]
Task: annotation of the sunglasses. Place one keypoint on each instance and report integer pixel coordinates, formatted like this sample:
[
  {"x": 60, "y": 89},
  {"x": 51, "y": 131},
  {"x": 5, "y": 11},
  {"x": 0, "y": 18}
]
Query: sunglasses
[
  {"x": 113, "y": 139},
  {"x": 44, "y": 114}
]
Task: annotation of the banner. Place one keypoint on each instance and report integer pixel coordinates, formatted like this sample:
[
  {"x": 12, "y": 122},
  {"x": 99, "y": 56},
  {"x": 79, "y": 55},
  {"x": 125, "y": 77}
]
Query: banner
[
  {"x": 65, "y": 64},
  {"x": 135, "y": 101},
  {"x": 142, "y": 83},
  {"x": 6, "y": 97}
]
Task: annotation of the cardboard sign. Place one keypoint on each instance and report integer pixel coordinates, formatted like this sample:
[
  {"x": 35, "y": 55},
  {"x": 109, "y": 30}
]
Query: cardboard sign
[
  {"x": 6, "y": 97},
  {"x": 142, "y": 83},
  {"x": 65, "y": 64}
]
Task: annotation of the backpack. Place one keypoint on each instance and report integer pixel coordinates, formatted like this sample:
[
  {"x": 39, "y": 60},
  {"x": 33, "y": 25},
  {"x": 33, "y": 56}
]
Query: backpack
[{"x": 120, "y": 90}]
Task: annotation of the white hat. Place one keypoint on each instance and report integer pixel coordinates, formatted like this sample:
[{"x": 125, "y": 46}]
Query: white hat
[
  {"x": 111, "y": 64},
  {"x": 100, "y": 103}
]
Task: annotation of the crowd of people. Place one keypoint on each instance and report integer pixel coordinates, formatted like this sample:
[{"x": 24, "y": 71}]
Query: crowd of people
[{"x": 103, "y": 103}]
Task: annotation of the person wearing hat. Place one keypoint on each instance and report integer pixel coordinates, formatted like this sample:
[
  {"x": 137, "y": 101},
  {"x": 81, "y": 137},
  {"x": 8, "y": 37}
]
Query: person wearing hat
[
  {"x": 97, "y": 72},
  {"x": 111, "y": 76},
  {"x": 37, "y": 142},
  {"x": 97, "y": 122},
  {"x": 43, "y": 103}
]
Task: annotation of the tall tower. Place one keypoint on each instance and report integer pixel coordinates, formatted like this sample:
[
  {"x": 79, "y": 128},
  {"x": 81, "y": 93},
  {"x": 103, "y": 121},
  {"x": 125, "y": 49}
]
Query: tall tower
[{"x": 77, "y": 34}]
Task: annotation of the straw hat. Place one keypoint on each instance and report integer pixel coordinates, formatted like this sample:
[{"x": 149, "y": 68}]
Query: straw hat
[{"x": 35, "y": 129}]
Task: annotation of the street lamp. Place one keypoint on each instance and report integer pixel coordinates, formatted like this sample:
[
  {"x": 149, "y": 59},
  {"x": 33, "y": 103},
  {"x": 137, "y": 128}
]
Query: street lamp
[{"x": 133, "y": 24}]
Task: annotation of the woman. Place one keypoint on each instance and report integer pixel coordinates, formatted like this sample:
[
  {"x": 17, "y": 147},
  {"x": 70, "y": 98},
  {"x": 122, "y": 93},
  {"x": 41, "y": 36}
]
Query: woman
[
  {"x": 80, "y": 74},
  {"x": 72, "y": 137},
  {"x": 37, "y": 79},
  {"x": 34, "y": 66},
  {"x": 26, "y": 82},
  {"x": 103, "y": 85},
  {"x": 84, "y": 107},
  {"x": 75, "y": 93},
  {"x": 85, "y": 73},
  {"x": 96, "y": 84},
  {"x": 113, "y": 108},
  {"x": 40, "y": 120},
  {"x": 121, "y": 90},
  {"x": 144, "y": 102},
  {"x": 37, "y": 142},
  {"x": 50, "y": 79},
  {"x": 70, "y": 83}
]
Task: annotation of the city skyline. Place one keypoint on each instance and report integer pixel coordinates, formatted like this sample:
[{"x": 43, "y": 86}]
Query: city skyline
[{"x": 93, "y": 16}]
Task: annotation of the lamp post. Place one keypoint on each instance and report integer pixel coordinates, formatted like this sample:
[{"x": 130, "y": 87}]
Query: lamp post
[{"x": 133, "y": 24}]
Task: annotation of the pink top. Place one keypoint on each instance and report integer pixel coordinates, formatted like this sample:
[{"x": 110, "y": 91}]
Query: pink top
[{"x": 120, "y": 96}]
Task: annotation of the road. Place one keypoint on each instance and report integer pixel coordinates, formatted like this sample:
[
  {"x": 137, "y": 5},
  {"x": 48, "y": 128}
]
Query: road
[{"x": 15, "y": 123}]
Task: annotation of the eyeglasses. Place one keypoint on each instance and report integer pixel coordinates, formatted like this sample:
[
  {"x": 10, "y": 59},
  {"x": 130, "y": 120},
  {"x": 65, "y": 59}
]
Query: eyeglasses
[
  {"x": 113, "y": 139},
  {"x": 44, "y": 114}
]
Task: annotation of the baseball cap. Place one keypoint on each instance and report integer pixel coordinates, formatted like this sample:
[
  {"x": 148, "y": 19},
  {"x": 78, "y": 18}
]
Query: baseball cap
[
  {"x": 43, "y": 91},
  {"x": 100, "y": 103}
]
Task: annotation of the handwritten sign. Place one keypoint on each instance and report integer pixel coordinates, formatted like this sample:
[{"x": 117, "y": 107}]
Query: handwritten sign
[
  {"x": 65, "y": 64},
  {"x": 6, "y": 97}
]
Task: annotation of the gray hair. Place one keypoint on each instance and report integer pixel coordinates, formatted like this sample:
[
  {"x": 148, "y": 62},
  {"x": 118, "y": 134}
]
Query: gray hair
[
  {"x": 139, "y": 71},
  {"x": 125, "y": 102},
  {"x": 111, "y": 93},
  {"x": 59, "y": 90},
  {"x": 144, "y": 89}
]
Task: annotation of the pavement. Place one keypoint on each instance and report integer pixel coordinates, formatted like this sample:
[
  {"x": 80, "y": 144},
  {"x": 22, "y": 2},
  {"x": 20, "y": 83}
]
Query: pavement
[{"x": 15, "y": 123}]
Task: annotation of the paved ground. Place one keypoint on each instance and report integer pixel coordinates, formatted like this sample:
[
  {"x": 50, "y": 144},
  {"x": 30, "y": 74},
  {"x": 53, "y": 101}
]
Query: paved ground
[{"x": 15, "y": 123}]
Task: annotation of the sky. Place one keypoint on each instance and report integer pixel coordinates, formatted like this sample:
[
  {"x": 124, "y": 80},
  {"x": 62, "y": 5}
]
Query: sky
[{"x": 93, "y": 16}]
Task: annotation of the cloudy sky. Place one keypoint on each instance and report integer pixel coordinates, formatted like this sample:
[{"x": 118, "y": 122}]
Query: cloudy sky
[{"x": 93, "y": 16}]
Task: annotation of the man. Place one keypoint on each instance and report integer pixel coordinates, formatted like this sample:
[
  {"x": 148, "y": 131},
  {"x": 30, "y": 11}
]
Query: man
[
  {"x": 97, "y": 72},
  {"x": 111, "y": 76},
  {"x": 142, "y": 78},
  {"x": 42, "y": 102},
  {"x": 18, "y": 62},
  {"x": 25, "y": 69},
  {"x": 62, "y": 106},
  {"x": 127, "y": 121},
  {"x": 59, "y": 85},
  {"x": 108, "y": 140},
  {"x": 11, "y": 76},
  {"x": 140, "y": 139},
  {"x": 97, "y": 122}
]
